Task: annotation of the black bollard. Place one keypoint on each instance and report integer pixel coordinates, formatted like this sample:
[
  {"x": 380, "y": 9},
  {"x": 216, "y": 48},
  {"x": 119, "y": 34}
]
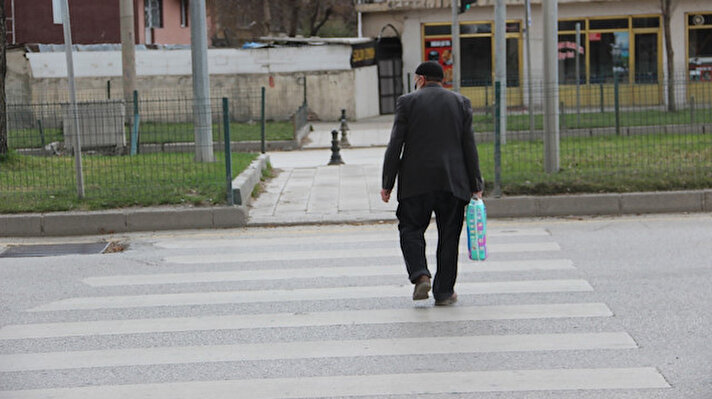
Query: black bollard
[
  {"x": 335, "y": 155},
  {"x": 344, "y": 128}
]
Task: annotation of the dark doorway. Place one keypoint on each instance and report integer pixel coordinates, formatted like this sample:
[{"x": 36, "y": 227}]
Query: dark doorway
[{"x": 389, "y": 55}]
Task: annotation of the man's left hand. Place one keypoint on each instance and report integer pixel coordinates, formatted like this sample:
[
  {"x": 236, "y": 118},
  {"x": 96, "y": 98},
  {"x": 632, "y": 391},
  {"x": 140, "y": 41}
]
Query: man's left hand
[{"x": 385, "y": 195}]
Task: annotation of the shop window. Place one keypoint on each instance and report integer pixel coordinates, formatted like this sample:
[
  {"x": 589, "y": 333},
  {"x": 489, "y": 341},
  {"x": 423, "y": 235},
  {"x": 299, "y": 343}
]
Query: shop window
[
  {"x": 512, "y": 62},
  {"x": 700, "y": 47},
  {"x": 433, "y": 30},
  {"x": 571, "y": 25},
  {"x": 466, "y": 29},
  {"x": 513, "y": 27},
  {"x": 567, "y": 59},
  {"x": 476, "y": 61},
  {"x": 647, "y": 22},
  {"x": 609, "y": 56},
  {"x": 646, "y": 58},
  {"x": 617, "y": 23}
]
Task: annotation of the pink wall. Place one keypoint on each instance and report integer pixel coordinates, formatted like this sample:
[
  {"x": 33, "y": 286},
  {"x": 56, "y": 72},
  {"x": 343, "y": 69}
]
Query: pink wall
[{"x": 172, "y": 32}]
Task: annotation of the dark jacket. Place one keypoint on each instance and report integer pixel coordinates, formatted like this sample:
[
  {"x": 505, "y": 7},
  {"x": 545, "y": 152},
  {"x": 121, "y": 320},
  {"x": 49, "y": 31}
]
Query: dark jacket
[{"x": 432, "y": 145}]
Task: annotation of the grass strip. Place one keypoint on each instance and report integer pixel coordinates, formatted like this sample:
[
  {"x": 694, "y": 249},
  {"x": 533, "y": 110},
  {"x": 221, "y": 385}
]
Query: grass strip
[{"x": 40, "y": 184}]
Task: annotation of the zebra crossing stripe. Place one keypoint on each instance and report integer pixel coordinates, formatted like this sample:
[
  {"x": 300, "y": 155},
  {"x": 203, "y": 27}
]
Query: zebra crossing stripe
[
  {"x": 314, "y": 349},
  {"x": 362, "y": 385},
  {"x": 316, "y": 319},
  {"x": 272, "y": 255},
  {"x": 251, "y": 242},
  {"x": 304, "y": 294},
  {"x": 295, "y": 273}
]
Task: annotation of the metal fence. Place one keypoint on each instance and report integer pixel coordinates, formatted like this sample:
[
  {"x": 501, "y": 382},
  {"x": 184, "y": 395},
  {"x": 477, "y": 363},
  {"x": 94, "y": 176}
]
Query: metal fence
[
  {"x": 140, "y": 153},
  {"x": 612, "y": 137}
]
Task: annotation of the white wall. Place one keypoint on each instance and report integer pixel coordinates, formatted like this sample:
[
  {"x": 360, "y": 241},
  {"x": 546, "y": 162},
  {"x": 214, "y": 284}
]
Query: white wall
[
  {"x": 366, "y": 92},
  {"x": 178, "y": 62}
]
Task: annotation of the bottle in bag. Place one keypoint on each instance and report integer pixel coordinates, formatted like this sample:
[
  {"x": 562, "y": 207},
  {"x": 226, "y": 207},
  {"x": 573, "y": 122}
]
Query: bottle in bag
[{"x": 476, "y": 221}]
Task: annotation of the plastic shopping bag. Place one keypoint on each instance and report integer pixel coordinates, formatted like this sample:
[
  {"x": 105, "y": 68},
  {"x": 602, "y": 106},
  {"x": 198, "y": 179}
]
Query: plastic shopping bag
[{"x": 476, "y": 220}]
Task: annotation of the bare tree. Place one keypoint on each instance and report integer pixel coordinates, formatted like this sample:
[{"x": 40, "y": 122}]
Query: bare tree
[
  {"x": 666, "y": 7},
  {"x": 293, "y": 9},
  {"x": 320, "y": 13},
  {"x": 3, "y": 72}
]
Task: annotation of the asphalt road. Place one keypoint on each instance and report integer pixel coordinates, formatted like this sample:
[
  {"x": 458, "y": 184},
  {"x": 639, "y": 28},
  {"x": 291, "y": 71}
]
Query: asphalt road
[{"x": 563, "y": 308}]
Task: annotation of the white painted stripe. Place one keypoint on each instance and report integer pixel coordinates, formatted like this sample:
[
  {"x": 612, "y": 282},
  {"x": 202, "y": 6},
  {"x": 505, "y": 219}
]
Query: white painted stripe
[
  {"x": 283, "y": 320},
  {"x": 312, "y": 272},
  {"x": 341, "y": 238},
  {"x": 363, "y": 385},
  {"x": 315, "y": 349},
  {"x": 304, "y": 294},
  {"x": 274, "y": 254}
]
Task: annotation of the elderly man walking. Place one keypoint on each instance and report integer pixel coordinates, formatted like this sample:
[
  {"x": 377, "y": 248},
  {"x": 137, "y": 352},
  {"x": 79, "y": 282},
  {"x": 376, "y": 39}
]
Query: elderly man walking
[{"x": 432, "y": 151}]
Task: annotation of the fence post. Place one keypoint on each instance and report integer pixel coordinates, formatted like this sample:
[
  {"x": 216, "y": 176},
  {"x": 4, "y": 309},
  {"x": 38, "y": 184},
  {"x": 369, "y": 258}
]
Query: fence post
[
  {"x": 600, "y": 89},
  {"x": 134, "y": 128},
  {"x": 42, "y": 137},
  {"x": 108, "y": 89},
  {"x": 228, "y": 151},
  {"x": 562, "y": 111},
  {"x": 262, "y": 116},
  {"x": 487, "y": 101},
  {"x": 408, "y": 86},
  {"x": 304, "y": 101},
  {"x": 617, "y": 102},
  {"x": 497, "y": 142},
  {"x": 692, "y": 110}
]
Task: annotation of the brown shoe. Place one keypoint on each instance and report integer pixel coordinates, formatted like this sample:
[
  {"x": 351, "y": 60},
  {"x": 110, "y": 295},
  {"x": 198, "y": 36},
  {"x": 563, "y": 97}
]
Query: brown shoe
[
  {"x": 422, "y": 287},
  {"x": 447, "y": 301}
]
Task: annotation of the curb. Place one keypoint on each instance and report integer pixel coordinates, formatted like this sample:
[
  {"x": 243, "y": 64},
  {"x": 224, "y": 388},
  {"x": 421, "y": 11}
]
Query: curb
[
  {"x": 138, "y": 219},
  {"x": 615, "y": 204},
  {"x": 154, "y": 219},
  {"x": 243, "y": 184}
]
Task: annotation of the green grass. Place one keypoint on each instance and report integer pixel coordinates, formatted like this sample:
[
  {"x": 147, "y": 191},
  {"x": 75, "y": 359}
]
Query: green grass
[
  {"x": 38, "y": 184},
  {"x": 604, "y": 164},
  {"x": 484, "y": 123},
  {"x": 588, "y": 165},
  {"x": 164, "y": 132}
]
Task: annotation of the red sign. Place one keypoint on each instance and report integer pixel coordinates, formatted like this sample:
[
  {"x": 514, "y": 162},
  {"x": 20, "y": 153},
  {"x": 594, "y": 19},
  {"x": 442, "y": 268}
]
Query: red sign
[
  {"x": 594, "y": 37},
  {"x": 440, "y": 51}
]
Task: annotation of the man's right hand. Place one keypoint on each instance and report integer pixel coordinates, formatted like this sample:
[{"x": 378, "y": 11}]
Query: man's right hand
[
  {"x": 385, "y": 195},
  {"x": 477, "y": 195}
]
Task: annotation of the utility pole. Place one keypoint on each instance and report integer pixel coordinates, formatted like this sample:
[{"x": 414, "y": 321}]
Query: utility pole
[
  {"x": 500, "y": 61},
  {"x": 73, "y": 98},
  {"x": 455, "y": 35},
  {"x": 530, "y": 80},
  {"x": 551, "y": 86},
  {"x": 128, "y": 50},
  {"x": 202, "y": 117}
]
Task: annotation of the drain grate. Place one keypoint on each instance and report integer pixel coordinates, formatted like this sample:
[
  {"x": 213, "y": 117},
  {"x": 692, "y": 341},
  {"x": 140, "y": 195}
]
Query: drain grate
[{"x": 28, "y": 251}]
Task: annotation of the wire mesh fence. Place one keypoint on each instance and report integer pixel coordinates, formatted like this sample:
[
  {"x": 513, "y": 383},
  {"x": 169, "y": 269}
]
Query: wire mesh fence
[
  {"x": 612, "y": 137},
  {"x": 137, "y": 153}
]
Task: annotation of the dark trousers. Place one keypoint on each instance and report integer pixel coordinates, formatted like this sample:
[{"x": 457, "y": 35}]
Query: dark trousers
[{"x": 414, "y": 215}]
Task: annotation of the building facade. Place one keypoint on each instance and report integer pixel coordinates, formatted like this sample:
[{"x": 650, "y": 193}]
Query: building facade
[
  {"x": 619, "y": 41},
  {"x": 97, "y": 22}
]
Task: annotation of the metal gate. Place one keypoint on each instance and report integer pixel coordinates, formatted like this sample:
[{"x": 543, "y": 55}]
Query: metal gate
[{"x": 389, "y": 53}]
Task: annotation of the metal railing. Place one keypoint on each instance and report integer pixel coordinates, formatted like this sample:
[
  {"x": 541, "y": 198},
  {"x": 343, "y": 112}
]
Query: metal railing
[{"x": 141, "y": 153}]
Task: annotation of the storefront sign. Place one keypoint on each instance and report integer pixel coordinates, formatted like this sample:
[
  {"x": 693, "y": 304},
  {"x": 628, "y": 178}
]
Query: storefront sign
[
  {"x": 363, "y": 54},
  {"x": 440, "y": 51}
]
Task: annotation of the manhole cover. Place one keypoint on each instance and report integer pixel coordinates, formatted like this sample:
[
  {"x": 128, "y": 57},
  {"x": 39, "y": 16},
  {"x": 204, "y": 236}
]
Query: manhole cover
[{"x": 27, "y": 251}]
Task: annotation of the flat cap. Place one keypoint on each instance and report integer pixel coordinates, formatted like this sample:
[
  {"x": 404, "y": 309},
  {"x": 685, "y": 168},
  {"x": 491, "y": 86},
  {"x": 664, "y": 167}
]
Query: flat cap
[{"x": 430, "y": 69}]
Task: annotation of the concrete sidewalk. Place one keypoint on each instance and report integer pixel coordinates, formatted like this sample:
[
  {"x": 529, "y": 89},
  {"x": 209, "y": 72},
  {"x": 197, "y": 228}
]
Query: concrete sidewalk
[{"x": 306, "y": 190}]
